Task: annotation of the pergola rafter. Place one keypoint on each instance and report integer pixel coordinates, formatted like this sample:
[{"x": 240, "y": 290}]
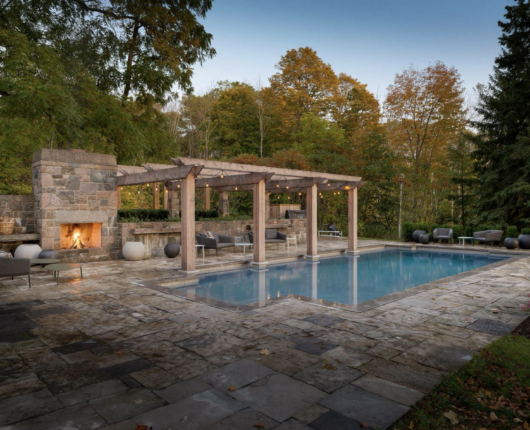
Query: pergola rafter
[{"x": 191, "y": 173}]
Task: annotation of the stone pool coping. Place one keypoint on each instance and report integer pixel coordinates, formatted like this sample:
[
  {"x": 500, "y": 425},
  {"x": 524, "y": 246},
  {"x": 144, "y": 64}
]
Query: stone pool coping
[{"x": 177, "y": 286}]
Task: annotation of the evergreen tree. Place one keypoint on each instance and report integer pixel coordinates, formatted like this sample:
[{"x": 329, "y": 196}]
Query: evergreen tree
[{"x": 503, "y": 141}]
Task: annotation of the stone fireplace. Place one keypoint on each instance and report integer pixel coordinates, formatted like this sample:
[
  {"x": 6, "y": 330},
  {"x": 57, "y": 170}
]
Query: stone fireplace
[{"x": 76, "y": 203}]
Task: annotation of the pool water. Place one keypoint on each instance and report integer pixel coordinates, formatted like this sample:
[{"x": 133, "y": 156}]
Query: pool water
[{"x": 342, "y": 279}]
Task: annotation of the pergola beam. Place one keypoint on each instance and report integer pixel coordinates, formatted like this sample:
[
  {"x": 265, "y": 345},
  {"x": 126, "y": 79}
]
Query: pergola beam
[
  {"x": 162, "y": 175},
  {"x": 233, "y": 180},
  {"x": 247, "y": 168}
]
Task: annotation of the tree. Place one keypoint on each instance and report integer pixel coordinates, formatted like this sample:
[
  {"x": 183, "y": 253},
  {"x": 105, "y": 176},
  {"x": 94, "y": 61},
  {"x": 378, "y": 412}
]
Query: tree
[
  {"x": 425, "y": 114},
  {"x": 304, "y": 84},
  {"x": 235, "y": 112},
  {"x": 503, "y": 139}
]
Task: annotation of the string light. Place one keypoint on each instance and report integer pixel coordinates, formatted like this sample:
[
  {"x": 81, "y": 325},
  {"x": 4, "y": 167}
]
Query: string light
[
  {"x": 222, "y": 175},
  {"x": 236, "y": 188}
]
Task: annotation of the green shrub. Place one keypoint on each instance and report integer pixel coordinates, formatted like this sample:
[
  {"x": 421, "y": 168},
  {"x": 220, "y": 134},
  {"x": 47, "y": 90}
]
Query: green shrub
[
  {"x": 407, "y": 230},
  {"x": 525, "y": 231},
  {"x": 128, "y": 215},
  {"x": 511, "y": 231},
  {"x": 213, "y": 213}
]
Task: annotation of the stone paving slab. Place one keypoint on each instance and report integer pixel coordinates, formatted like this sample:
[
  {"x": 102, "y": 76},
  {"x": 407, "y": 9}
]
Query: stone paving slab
[
  {"x": 121, "y": 406},
  {"x": 419, "y": 378},
  {"x": 28, "y": 405},
  {"x": 236, "y": 374},
  {"x": 278, "y": 396},
  {"x": 193, "y": 412},
  {"x": 392, "y": 391},
  {"x": 154, "y": 378},
  {"x": 77, "y": 417},
  {"x": 244, "y": 420},
  {"x": 335, "y": 421},
  {"x": 184, "y": 389},
  {"x": 292, "y": 424},
  {"x": 316, "y": 346},
  {"x": 328, "y": 376},
  {"x": 497, "y": 328},
  {"x": 324, "y": 320},
  {"x": 363, "y": 406},
  {"x": 92, "y": 392}
]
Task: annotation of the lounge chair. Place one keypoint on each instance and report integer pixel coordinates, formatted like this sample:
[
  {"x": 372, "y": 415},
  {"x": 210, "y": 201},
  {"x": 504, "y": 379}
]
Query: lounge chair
[
  {"x": 443, "y": 234},
  {"x": 218, "y": 241},
  {"x": 487, "y": 236},
  {"x": 271, "y": 236},
  {"x": 15, "y": 267}
]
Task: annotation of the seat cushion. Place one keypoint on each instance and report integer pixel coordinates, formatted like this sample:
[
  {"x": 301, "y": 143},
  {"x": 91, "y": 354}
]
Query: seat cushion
[
  {"x": 271, "y": 233},
  {"x": 224, "y": 245},
  {"x": 274, "y": 241}
]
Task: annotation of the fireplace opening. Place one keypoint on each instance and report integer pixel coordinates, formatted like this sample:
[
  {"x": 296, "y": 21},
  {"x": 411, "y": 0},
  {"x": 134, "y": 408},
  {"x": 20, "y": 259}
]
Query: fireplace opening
[{"x": 81, "y": 235}]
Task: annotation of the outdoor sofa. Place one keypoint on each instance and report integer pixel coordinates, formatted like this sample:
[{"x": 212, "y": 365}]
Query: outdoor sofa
[
  {"x": 217, "y": 242},
  {"x": 487, "y": 236},
  {"x": 271, "y": 236},
  {"x": 15, "y": 267},
  {"x": 443, "y": 234}
]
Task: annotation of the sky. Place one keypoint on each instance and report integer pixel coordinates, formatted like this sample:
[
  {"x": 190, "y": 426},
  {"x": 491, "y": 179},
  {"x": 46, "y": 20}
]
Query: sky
[{"x": 371, "y": 40}]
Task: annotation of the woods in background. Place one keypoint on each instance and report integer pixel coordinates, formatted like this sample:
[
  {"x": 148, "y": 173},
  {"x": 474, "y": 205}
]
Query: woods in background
[{"x": 103, "y": 76}]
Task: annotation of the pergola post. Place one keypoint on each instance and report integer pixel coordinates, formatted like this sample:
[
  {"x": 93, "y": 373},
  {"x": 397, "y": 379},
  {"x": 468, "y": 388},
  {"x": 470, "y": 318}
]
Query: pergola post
[
  {"x": 207, "y": 199},
  {"x": 311, "y": 224},
  {"x": 173, "y": 203},
  {"x": 259, "y": 223},
  {"x": 223, "y": 203},
  {"x": 188, "y": 223},
  {"x": 267, "y": 206},
  {"x": 352, "y": 221},
  {"x": 118, "y": 197},
  {"x": 156, "y": 196},
  {"x": 165, "y": 199}
]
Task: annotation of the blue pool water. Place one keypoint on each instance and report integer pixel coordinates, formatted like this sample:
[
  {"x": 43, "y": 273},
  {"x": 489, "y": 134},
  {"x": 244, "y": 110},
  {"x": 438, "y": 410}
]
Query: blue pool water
[{"x": 343, "y": 279}]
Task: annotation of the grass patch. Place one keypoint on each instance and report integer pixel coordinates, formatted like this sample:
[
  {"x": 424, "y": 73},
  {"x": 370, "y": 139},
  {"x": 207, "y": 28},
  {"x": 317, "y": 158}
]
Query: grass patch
[{"x": 492, "y": 391}]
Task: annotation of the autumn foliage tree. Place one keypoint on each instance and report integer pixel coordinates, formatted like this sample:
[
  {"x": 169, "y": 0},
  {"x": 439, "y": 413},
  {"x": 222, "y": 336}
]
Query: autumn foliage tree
[{"x": 425, "y": 113}]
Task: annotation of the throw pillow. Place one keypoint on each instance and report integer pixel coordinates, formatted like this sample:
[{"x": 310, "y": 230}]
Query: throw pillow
[
  {"x": 210, "y": 235},
  {"x": 4, "y": 254}
]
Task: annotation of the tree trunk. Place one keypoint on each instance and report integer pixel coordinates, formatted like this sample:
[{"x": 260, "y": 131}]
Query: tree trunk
[{"x": 128, "y": 72}]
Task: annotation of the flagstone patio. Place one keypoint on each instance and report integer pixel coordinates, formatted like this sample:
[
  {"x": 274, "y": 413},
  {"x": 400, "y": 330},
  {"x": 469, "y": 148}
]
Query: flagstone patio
[{"x": 119, "y": 349}]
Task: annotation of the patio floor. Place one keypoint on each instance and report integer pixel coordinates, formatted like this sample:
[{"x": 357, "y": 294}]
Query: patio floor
[{"x": 114, "y": 350}]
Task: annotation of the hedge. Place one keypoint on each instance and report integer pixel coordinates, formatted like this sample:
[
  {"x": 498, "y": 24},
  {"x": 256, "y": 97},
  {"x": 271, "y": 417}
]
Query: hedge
[{"x": 143, "y": 214}]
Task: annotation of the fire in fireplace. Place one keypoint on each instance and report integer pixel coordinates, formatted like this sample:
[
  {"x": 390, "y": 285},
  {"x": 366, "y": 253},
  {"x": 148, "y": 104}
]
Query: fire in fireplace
[{"x": 81, "y": 235}]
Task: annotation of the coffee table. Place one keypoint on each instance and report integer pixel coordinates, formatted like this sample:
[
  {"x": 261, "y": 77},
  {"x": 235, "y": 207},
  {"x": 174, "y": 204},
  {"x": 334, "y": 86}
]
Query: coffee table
[
  {"x": 43, "y": 261},
  {"x": 463, "y": 239},
  {"x": 244, "y": 245},
  {"x": 57, "y": 268}
]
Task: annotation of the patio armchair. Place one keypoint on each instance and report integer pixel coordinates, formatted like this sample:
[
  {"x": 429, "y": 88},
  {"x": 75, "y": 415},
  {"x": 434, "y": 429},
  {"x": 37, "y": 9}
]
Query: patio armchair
[
  {"x": 443, "y": 234},
  {"x": 487, "y": 236},
  {"x": 271, "y": 236},
  {"x": 218, "y": 241},
  {"x": 15, "y": 267}
]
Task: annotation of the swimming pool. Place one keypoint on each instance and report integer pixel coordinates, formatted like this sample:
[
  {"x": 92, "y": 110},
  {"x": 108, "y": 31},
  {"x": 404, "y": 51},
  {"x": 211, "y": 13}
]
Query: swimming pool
[{"x": 344, "y": 279}]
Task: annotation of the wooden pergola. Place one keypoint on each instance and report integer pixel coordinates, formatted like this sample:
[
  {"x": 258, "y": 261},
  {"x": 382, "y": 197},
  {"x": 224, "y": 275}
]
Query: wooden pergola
[{"x": 188, "y": 174}]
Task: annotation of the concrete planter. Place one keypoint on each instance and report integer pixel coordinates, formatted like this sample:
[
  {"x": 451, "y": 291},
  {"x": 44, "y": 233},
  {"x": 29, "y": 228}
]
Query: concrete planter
[
  {"x": 28, "y": 251},
  {"x": 133, "y": 251}
]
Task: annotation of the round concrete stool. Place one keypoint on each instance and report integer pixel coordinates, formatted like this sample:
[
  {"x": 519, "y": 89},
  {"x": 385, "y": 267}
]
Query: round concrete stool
[
  {"x": 511, "y": 243},
  {"x": 524, "y": 241},
  {"x": 416, "y": 235},
  {"x": 425, "y": 239},
  {"x": 49, "y": 253},
  {"x": 172, "y": 250},
  {"x": 28, "y": 251},
  {"x": 133, "y": 251}
]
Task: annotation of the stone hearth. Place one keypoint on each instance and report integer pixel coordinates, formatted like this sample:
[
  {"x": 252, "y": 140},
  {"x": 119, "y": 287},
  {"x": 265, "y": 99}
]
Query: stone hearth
[{"x": 75, "y": 191}]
